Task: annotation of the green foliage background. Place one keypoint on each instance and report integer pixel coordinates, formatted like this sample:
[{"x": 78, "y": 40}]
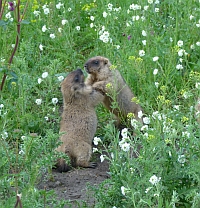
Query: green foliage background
[{"x": 29, "y": 132}]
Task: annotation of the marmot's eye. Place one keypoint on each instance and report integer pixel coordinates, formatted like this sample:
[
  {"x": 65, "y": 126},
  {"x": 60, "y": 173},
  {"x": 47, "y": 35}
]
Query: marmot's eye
[
  {"x": 96, "y": 62},
  {"x": 76, "y": 79}
]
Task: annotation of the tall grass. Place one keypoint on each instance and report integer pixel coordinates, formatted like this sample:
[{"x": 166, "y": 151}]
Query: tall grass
[{"x": 154, "y": 44}]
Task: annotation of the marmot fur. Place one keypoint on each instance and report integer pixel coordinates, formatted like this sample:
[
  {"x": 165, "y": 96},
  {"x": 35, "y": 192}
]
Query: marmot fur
[
  {"x": 78, "y": 121},
  {"x": 100, "y": 75},
  {"x": 197, "y": 108}
]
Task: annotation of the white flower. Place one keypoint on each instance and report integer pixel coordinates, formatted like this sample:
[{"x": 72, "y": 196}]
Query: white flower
[
  {"x": 180, "y": 43},
  {"x": 110, "y": 7},
  {"x": 181, "y": 159},
  {"x": 1, "y": 106},
  {"x": 157, "y": 115},
  {"x": 125, "y": 147},
  {"x": 197, "y": 85},
  {"x": 144, "y": 42},
  {"x": 181, "y": 52},
  {"x": 91, "y": 25},
  {"x": 45, "y": 75},
  {"x": 44, "y": 28},
  {"x": 69, "y": 9},
  {"x": 46, "y": 11},
  {"x": 186, "y": 134},
  {"x": 154, "y": 180},
  {"x": 170, "y": 39},
  {"x": 198, "y": 43},
  {"x": 36, "y": 13},
  {"x": 59, "y": 5},
  {"x": 144, "y": 33},
  {"x": 60, "y": 78},
  {"x": 105, "y": 14},
  {"x": 148, "y": 189},
  {"x": 54, "y": 100},
  {"x": 39, "y": 80},
  {"x": 46, "y": 118},
  {"x": 21, "y": 152},
  {"x": 123, "y": 189},
  {"x": 140, "y": 114},
  {"x": 134, "y": 123},
  {"x": 2, "y": 60},
  {"x": 41, "y": 47},
  {"x": 155, "y": 71},
  {"x": 4, "y": 135},
  {"x": 156, "y": 9},
  {"x": 191, "y": 17},
  {"x": 52, "y": 36},
  {"x": 150, "y": 1},
  {"x": 141, "y": 53},
  {"x": 177, "y": 107},
  {"x": 92, "y": 18},
  {"x": 146, "y": 120},
  {"x": 117, "y": 47},
  {"x": 179, "y": 66},
  {"x": 44, "y": 6},
  {"x": 145, "y": 127},
  {"x": 124, "y": 133},
  {"x": 94, "y": 149},
  {"x": 146, "y": 7},
  {"x": 156, "y": 84},
  {"x": 8, "y": 15},
  {"x": 96, "y": 140},
  {"x": 63, "y": 22},
  {"x": 102, "y": 158},
  {"x": 38, "y": 101},
  {"x": 155, "y": 58},
  {"x": 192, "y": 46},
  {"x": 78, "y": 28},
  {"x": 60, "y": 29},
  {"x": 157, "y": 1}
]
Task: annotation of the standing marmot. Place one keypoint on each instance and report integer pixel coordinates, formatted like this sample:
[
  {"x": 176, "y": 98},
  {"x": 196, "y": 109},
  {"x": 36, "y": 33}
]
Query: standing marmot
[
  {"x": 197, "y": 108},
  {"x": 100, "y": 75},
  {"x": 78, "y": 122}
]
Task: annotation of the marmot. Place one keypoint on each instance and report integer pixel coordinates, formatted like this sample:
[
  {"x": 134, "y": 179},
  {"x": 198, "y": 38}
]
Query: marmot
[
  {"x": 99, "y": 76},
  {"x": 78, "y": 121},
  {"x": 197, "y": 112}
]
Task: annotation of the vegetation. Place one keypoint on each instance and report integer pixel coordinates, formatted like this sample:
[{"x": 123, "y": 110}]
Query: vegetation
[{"x": 154, "y": 44}]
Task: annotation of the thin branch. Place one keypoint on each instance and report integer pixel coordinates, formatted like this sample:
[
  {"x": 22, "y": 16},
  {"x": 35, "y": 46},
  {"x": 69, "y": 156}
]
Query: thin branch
[
  {"x": 2, "y": 7},
  {"x": 16, "y": 43}
]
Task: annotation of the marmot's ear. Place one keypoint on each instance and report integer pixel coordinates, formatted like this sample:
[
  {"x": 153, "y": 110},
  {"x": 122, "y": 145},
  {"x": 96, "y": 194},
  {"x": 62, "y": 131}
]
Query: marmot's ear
[{"x": 106, "y": 61}]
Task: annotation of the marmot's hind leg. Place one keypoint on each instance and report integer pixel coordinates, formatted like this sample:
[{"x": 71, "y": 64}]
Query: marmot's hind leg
[{"x": 83, "y": 156}]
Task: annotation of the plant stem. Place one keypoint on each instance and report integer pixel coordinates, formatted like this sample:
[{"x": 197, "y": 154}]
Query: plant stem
[{"x": 16, "y": 43}]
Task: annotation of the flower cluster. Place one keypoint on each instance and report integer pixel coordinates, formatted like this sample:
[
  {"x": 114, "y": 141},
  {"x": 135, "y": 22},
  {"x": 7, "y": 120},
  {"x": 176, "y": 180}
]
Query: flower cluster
[
  {"x": 125, "y": 141},
  {"x": 104, "y": 35}
]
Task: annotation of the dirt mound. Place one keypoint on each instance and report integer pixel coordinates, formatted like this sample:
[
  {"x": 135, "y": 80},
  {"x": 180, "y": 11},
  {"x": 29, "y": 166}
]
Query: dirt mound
[{"x": 72, "y": 185}]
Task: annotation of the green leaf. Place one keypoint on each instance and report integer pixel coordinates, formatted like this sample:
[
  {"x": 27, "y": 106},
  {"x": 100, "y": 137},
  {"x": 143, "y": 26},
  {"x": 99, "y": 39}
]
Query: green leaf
[
  {"x": 13, "y": 74},
  {"x": 26, "y": 22},
  {"x": 3, "y": 23}
]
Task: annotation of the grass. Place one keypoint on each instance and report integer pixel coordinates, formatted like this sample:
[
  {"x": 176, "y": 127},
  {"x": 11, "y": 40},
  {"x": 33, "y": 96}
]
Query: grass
[{"x": 166, "y": 171}]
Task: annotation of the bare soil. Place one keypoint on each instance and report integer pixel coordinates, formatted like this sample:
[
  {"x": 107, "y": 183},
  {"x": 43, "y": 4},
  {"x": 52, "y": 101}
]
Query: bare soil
[{"x": 73, "y": 185}]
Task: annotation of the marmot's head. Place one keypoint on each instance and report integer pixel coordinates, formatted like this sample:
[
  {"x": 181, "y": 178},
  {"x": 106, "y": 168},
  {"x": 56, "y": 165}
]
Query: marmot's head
[
  {"x": 97, "y": 65},
  {"x": 73, "y": 82}
]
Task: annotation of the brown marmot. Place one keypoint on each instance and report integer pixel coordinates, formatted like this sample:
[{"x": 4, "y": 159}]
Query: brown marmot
[
  {"x": 197, "y": 112},
  {"x": 78, "y": 121},
  {"x": 100, "y": 75}
]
